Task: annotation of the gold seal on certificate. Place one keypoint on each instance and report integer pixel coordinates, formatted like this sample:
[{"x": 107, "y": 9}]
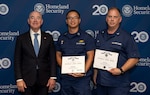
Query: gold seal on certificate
[
  {"x": 105, "y": 60},
  {"x": 73, "y": 64}
]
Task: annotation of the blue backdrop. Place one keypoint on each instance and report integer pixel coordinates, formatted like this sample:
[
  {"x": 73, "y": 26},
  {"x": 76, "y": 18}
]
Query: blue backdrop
[{"x": 13, "y": 22}]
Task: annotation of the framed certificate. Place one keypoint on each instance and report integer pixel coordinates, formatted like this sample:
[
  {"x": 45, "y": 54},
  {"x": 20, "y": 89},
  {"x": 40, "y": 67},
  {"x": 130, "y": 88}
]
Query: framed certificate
[
  {"x": 73, "y": 64},
  {"x": 105, "y": 60}
]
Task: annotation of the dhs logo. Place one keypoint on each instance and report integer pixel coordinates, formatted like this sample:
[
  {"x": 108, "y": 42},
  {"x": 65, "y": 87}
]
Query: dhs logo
[
  {"x": 90, "y": 32},
  {"x": 56, "y": 89},
  {"x": 93, "y": 33},
  {"x": 127, "y": 10},
  {"x": 4, "y": 9},
  {"x": 55, "y": 34},
  {"x": 5, "y": 63},
  {"x": 40, "y": 8}
]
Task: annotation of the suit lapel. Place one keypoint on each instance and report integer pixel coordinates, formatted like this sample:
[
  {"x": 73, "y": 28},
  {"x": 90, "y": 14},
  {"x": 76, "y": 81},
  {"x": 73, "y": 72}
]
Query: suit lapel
[
  {"x": 43, "y": 38},
  {"x": 30, "y": 45}
]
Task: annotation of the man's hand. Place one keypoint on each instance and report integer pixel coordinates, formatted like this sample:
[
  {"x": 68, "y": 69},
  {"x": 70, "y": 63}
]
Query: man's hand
[
  {"x": 115, "y": 71},
  {"x": 21, "y": 86},
  {"x": 51, "y": 84}
]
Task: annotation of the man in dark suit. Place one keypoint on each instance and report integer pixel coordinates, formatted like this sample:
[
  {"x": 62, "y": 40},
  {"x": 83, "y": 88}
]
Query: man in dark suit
[{"x": 35, "y": 73}]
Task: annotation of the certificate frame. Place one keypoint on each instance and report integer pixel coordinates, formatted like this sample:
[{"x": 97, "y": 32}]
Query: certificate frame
[
  {"x": 73, "y": 64},
  {"x": 105, "y": 60}
]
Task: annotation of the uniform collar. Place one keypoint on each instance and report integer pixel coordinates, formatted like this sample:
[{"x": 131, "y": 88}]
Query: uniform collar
[
  {"x": 67, "y": 34},
  {"x": 117, "y": 33}
]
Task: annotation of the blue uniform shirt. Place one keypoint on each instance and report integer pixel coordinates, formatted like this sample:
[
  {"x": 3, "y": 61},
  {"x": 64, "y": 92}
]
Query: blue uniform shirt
[
  {"x": 122, "y": 43},
  {"x": 75, "y": 44}
]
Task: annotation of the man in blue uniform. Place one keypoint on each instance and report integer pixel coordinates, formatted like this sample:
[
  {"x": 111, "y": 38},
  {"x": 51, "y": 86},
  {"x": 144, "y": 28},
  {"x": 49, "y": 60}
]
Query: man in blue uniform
[
  {"x": 75, "y": 42},
  {"x": 116, "y": 80}
]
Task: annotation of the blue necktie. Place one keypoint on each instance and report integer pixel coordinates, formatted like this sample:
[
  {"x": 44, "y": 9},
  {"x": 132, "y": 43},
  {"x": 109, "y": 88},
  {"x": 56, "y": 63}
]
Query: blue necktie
[{"x": 36, "y": 44}]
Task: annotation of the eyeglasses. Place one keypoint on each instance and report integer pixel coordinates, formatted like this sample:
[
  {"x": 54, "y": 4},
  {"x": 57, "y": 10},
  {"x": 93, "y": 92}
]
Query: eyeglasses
[{"x": 70, "y": 18}]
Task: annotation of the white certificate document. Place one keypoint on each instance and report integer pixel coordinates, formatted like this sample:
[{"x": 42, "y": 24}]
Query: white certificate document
[
  {"x": 105, "y": 60},
  {"x": 73, "y": 64}
]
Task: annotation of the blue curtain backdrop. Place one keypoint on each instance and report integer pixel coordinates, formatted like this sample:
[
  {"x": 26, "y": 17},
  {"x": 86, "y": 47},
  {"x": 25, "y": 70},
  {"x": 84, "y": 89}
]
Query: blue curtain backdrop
[{"x": 13, "y": 22}]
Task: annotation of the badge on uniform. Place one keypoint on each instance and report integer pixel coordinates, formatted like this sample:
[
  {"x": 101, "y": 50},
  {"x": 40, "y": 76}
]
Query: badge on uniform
[{"x": 62, "y": 41}]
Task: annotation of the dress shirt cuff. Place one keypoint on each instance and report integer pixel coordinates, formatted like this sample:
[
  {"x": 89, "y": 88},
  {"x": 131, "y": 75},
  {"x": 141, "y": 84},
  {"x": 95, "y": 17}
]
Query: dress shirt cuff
[
  {"x": 19, "y": 80},
  {"x": 53, "y": 77}
]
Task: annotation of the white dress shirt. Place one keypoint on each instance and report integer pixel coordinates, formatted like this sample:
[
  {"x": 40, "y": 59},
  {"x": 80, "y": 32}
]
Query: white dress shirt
[{"x": 38, "y": 37}]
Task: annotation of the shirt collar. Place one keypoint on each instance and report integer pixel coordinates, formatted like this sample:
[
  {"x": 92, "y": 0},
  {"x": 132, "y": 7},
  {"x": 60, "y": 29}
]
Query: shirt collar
[
  {"x": 117, "y": 33},
  {"x": 67, "y": 34},
  {"x": 32, "y": 32},
  {"x": 77, "y": 33}
]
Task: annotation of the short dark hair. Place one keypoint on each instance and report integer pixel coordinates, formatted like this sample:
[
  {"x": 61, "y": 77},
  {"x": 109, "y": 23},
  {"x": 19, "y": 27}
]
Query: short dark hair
[
  {"x": 72, "y": 11},
  {"x": 115, "y": 9}
]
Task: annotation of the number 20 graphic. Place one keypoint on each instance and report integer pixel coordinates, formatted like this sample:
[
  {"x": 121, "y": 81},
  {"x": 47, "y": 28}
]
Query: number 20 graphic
[
  {"x": 141, "y": 36},
  {"x": 138, "y": 87}
]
